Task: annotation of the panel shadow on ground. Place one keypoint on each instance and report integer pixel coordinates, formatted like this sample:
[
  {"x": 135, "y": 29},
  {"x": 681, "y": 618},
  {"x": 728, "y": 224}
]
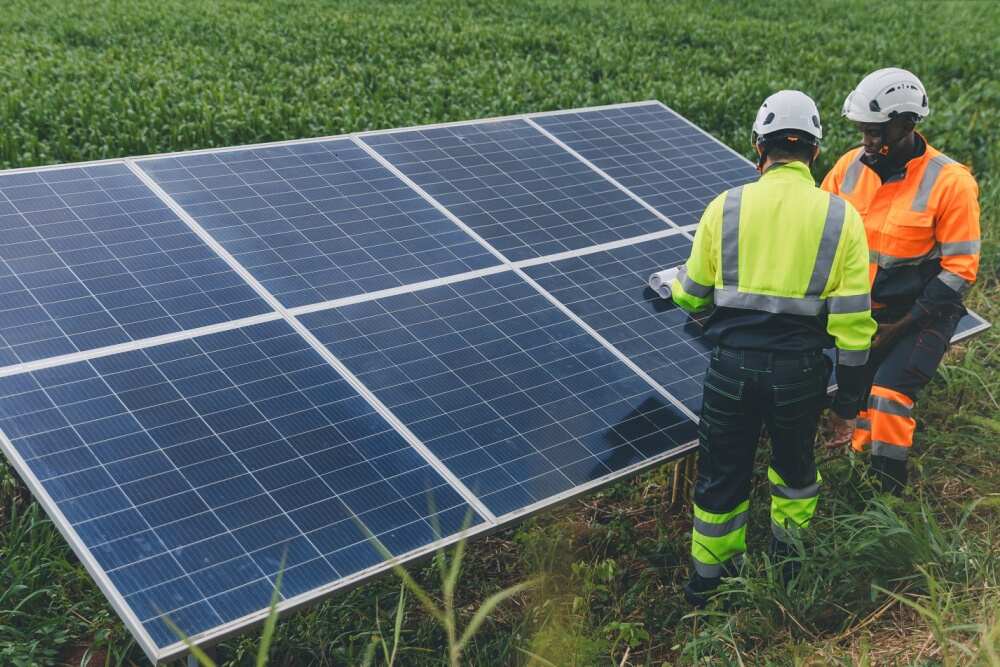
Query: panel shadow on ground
[
  {"x": 517, "y": 400},
  {"x": 190, "y": 470},
  {"x": 317, "y": 221},
  {"x": 515, "y": 187},
  {"x": 655, "y": 153},
  {"x": 91, "y": 257}
]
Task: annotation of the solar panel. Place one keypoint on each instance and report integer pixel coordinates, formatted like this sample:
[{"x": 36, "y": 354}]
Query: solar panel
[
  {"x": 513, "y": 396},
  {"x": 190, "y": 470},
  {"x": 608, "y": 291},
  {"x": 91, "y": 257},
  {"x": 655, "y": 153},
  {"x": 317, "y": 221},
  {"x": 240, "y": 357},
  {"x": 515, "y": 187}
]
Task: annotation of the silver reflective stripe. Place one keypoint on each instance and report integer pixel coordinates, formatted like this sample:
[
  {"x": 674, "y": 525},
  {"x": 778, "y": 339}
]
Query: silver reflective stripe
[
  {"x": 781, "y": 533},
  {"x": 733, "y": 298},
  {"x": 832, "y": 228},
  {"x": 954, "y": 281},
  {"x": 852, "y": 175},
  {"x": 731, "y": 238},
  {"x": 890, "y": 261},
  {"x": 873, "y": 256},
  {"x": 863, "y": 424},
  {"x": 707, "y": 529},
  {"x": 883, "y": 404},
  {"x": 856, "y": 303},
  {"x": 707, "y": 570},
  {"x": 789, "y": 493},
  {"x": 889, "y": 450},
  {"x": 852, "y": 357},
  {"x": 930, "y": 177},
  {"x": 691, "y": 287},
  {"x": 960, "y": 248}
]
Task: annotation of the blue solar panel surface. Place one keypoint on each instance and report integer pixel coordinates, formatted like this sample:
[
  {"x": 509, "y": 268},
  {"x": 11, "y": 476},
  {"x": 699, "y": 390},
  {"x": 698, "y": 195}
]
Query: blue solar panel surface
[
  {"x": 513, "y": 396},
  {"x": 608, "y": 291},
  {"x": 317, "y": 221},
  {"x": 91, "y": 257},
  {"x": 654, "y": 153},
  {"x": 189, "y": 470},
  {"x": 515, "y": 187}
]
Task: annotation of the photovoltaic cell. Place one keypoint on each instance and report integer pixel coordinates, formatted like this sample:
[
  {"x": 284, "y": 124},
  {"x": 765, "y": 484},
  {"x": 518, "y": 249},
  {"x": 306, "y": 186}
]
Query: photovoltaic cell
[
  {"x": 317, "y": 221},
  {"x": 91, "y": 257},
  {"x": 515, "y": 187},
  {"x": 514, "y": 397},
  {"x": 192, "y": 470},
  {"x": 608, "y": 291},
  {"x": 654, "y": 153}
]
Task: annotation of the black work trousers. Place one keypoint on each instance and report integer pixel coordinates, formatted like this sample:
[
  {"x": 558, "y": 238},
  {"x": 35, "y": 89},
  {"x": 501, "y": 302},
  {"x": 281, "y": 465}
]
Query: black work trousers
[
  {"x": 744, "y": 391},
  {"x": 895, "y": 375}
]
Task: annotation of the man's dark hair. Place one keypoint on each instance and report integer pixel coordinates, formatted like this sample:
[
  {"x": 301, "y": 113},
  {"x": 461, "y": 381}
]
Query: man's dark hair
[
  {"x": 789, "y": 147},
  {"x": 784, "y": 151}
]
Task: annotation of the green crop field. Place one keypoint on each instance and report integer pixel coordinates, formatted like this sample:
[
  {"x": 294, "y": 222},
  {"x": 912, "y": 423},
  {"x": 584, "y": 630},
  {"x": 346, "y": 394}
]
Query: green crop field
[{"x": 886, "y": 582}]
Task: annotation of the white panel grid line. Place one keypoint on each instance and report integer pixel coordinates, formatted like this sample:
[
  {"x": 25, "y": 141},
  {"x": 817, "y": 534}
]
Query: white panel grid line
[
  {"x": 608, "y": 345},
  {"x": 629, "y": 312},
  {"x": 82, "y": 552},
  {"x": 96, "y": 353},
  {"x": 533, "y": 172},
  {"x": 702, "y": 131},
  {"x": 508, "y": 419},
  {"x": 382, "y": 410},
  {"x": 430, "y": 199},
  {"x": 606, "y": 176},
  {"x": 367, "y": 222},
  {"x": 514, "y": 265},
  {"x": 116, "y": 324},
  {"x": 141, "y": 344},
  {"x": 269, "y": 493}
]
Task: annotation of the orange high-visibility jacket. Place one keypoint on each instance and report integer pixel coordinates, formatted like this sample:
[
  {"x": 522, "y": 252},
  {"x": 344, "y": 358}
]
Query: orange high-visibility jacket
[{"x": 922, "y": 228}]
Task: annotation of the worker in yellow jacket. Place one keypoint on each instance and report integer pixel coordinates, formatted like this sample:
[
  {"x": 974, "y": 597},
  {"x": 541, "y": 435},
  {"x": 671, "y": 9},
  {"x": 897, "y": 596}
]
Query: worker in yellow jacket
[
  {"x": 921, "y": 215},
  {"x": 786, "y": 267}
]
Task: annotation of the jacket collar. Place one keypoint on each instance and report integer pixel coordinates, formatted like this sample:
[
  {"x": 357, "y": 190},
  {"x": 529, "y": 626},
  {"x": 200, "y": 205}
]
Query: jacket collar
[{"x": 789, "y": 171}]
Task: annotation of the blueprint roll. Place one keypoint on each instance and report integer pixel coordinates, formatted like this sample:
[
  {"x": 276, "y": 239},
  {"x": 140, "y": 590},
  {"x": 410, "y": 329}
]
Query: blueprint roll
[
  {"x": 664, "y": 292},
  {"x": 662, "y": 279}
]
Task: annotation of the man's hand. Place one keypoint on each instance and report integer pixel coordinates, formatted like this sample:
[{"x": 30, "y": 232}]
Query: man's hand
[
  {"x": 887, "y": 333},
  {"x": 842, "y": 429}
]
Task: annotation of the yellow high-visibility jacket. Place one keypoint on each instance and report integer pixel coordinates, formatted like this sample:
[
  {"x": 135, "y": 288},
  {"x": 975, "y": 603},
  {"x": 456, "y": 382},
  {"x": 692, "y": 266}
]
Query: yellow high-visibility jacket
[{"x": 782, "y": 245}]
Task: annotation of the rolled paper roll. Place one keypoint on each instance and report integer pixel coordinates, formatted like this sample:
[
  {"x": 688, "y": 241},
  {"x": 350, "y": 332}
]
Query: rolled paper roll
[
  {"x": 661, "y": 278},
  {"x": 664, "y": 292}
]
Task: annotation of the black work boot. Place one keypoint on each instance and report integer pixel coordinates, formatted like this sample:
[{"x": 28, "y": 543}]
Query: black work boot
[
  {"x": 699, "y": 589},
  {"x": 785, "y": 555},
  {"x": 890, "y": 473}
]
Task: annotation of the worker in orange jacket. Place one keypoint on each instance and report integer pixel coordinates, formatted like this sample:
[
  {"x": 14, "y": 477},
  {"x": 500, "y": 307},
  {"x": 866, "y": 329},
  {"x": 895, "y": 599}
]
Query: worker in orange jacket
[{"x": 921, "y": 215}]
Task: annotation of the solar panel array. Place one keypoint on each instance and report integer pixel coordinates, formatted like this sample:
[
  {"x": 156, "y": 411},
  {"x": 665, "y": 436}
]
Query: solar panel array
[{"x": 318, "y": 355}]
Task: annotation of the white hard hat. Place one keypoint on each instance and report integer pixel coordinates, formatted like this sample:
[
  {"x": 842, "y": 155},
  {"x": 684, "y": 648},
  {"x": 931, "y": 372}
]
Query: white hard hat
[
  {"x": 787, "y": 110},
  {"x": 884, "y": 94}
]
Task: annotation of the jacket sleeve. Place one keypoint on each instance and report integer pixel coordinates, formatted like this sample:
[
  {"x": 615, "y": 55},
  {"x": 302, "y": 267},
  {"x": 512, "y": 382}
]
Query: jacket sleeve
[
  {"x": 849, "y": 319},
  {"x": 694, "y": 286},
  {"x": 956, "y": 230}
]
